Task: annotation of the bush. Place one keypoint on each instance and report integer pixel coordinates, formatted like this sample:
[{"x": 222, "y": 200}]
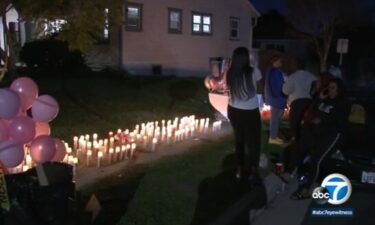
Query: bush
[{"x": 46, "y": 56}]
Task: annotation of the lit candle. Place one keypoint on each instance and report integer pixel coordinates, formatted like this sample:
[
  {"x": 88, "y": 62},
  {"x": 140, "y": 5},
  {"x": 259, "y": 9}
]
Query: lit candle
[
  {"x": 117, "y": 150},
  {"x": 111, "y": 142},
  {"x": 105, "y": 143},
  {"x": 87, "y": 137},
  {"x": 123, "y": 151},
  {"x": 75, "y": 141},
  {"x": 25, "y": 168},
  {"x": 89, "y": 153},
  {"x": 145, "y": 142},
  {"x": 169, "y": 138},
  {"x": 100, "y": 155},
  {"x": 95, "y": 137},
  {"x": 154, "y": 142},
  {"x": 111, "y": 150},
  {"x": 127, "y": 149},
  {"x": 132, "y": 150},
  {"x": 29, "y": 160}
]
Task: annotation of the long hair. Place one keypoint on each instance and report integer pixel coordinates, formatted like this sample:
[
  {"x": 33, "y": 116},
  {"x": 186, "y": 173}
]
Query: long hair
[{"x": 240, "y": 75}]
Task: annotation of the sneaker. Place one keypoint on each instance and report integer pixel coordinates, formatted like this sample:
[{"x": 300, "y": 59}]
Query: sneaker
[{"x": 276, "y": 141}]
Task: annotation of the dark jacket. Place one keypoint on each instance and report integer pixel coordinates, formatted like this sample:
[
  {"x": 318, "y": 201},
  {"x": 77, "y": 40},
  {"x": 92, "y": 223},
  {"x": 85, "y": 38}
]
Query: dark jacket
[{"x": 333, "y": 115}]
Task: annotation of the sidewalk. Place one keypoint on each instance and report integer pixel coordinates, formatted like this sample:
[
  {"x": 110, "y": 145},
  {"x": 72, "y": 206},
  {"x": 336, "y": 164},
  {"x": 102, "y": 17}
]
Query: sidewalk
[{"x": 282, "y": 210}]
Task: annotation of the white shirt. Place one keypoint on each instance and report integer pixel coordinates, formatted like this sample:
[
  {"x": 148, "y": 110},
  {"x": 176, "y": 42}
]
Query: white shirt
[
  {"x": 298, "y": 84},
  {"x": 251, "y": 103}
]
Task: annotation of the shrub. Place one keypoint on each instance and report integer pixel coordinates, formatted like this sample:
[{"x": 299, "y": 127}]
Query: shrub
[{"x": 51, "y": 55}]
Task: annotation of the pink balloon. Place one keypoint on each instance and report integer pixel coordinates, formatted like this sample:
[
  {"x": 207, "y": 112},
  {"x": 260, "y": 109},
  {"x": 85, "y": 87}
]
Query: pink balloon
[
  {"x": 42, "y": 128},
  {"x": 11, "y": 153},
  {"x": 44, "y": 109},
  {"x": 4, "y": 131},
  {"x": 27, "y": 89},
  {"x": 42, "y": 149},
  {"x": 22, "y": 129},
  {"x": 9, "y": 103},
  {"x": 60, "y": 150}
]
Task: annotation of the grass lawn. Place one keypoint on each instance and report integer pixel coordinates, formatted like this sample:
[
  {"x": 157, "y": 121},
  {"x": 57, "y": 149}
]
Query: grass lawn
[
  {"x": 106, "y": 102},
  {"x": 169, "y": 191}
]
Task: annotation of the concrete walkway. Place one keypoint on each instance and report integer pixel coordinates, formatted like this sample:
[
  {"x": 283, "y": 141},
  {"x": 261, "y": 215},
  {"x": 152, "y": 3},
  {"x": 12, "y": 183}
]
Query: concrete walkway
[{"x": 283, "y": 210}]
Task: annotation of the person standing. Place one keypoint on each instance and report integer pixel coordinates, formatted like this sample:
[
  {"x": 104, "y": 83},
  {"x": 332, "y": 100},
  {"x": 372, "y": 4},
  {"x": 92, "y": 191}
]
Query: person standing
[
  {"x": 297, "y": 87},
  {"x": 243, "y": 113},
  {"x": 275, "y": 98}
]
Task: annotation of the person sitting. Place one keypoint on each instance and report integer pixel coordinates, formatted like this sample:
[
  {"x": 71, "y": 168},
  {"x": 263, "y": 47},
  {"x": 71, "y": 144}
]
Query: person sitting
[{"x": 331, "y": 119}]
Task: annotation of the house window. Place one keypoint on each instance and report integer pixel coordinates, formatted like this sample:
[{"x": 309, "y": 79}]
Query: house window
[
  {"x": 234, "y": 28},
  {"x": 202, "y": 23},
  {"x": 174, "y": 20},
  {"x": 133, "y": 17}
]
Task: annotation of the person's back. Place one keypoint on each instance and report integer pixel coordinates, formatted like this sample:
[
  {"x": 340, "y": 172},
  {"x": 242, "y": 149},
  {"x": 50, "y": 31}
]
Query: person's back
[{"x": 298, "y": 85}]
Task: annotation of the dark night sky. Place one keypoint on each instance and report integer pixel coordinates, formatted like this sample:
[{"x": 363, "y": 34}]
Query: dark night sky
[{"x": 266, "y": 5}]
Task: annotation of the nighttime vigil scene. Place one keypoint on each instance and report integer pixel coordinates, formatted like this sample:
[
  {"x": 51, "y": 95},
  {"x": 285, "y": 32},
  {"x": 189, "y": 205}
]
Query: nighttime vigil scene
[{"x": 187, "y": 112}]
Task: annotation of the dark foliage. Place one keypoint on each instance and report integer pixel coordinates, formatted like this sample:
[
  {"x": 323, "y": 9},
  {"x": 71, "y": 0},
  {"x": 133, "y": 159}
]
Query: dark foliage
[
  {"x": 44, "y": 57},
  {"x": 181, "y": 91}
]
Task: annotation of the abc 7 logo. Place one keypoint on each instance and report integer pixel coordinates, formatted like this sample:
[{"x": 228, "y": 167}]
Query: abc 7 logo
[{"x": 320, "y": 195}]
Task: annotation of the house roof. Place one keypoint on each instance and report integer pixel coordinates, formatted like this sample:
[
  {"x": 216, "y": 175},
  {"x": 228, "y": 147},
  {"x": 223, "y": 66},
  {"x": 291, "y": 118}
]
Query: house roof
[{"x": 252, "y": 7}]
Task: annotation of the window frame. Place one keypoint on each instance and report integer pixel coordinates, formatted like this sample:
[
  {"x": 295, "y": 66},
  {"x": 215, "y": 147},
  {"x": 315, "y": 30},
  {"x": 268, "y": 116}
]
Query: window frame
[
  {"x": 237, "y": 19},
  {"x": 172, "y": 30},
  {"x": 202, "y": 33},
  {"x": 140, "y": 22}
]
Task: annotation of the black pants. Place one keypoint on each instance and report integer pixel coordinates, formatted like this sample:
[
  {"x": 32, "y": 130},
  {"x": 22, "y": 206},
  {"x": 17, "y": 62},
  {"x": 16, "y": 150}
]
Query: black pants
[
  {"x": 325, "y": 145},
  {"x": 295, "y": 153},
  {"x": 247, "y": 130},
  {"x": 297, "y": 108}
]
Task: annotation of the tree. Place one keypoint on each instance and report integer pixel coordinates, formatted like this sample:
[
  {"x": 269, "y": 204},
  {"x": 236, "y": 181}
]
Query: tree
[
  {"x": 318, "y": 21},
  {"x": 83, "y": 26},
  {"x": 271, "y": 25}
]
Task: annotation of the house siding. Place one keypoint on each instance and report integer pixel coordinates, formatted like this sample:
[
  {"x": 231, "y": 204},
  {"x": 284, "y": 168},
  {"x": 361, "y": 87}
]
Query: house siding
[{"x": 184, "y": 54}]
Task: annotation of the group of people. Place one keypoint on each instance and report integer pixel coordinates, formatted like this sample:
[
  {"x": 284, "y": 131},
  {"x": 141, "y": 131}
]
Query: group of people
[{"x": 317, "y": 117}]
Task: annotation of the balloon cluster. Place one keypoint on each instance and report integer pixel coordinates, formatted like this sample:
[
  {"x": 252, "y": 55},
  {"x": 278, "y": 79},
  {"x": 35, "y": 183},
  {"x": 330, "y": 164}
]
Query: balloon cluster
[
  {"x": 21, "y": 134},
  {"x": 216, "y": 82}
]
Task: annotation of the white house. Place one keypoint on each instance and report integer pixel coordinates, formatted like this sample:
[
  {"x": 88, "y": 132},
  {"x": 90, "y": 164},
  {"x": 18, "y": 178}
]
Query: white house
[{"x": 175, "y": 37}]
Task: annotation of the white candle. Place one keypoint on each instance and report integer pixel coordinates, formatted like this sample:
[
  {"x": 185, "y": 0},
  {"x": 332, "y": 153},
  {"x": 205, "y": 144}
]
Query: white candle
[
  {"x": 123, "y": 151},
  {"x": 145, "y": 142},
  {"x": 111, "y": 142},
  {"x": 154, "y": 142},
  {"x": 87, "y": 137},
  {"x": 169, "y": 138},
  {"x": 89, "y": 154},
  {"x": 117, "y": 150},
  {"x": 100, "y": 155},
  {"x": 25, "y": 168},
  {"x": 127, "y": 150},
  {"x": 111, "y": 150},
  {"x": 95, "y": 137},
  {"x": 75, "y": 141},
  {"x": 132, "y": 150},
  {"x": 29, "y": 160}
]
